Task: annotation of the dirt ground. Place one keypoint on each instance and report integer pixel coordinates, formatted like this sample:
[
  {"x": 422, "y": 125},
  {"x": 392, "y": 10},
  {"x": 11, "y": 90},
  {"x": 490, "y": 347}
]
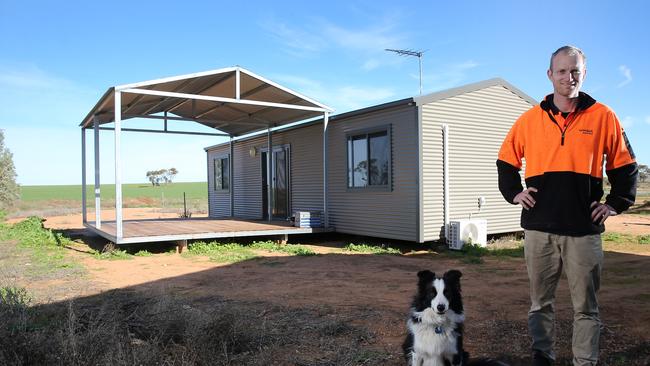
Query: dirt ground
[{"x": 376, "y": 290}]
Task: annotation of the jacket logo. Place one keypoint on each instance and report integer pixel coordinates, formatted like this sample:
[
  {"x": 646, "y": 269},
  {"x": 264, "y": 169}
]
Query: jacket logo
[{"x": 586, "y": 132}]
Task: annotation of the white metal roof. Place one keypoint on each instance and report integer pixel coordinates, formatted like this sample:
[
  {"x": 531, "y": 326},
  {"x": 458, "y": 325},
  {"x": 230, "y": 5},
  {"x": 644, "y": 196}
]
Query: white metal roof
[
  {"x": 448, "y": 93},
  {"x": 232, "y": 100}
]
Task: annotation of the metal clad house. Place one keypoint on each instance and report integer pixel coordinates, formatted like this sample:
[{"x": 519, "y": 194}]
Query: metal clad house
[
  {"x": 477, "y": 118},
  {"x": 298, "y": 174},
  {"x": 399, "y": 170}
]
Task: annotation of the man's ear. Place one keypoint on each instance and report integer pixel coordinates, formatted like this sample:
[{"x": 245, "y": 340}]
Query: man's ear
[{"x": 549, "y": 74}]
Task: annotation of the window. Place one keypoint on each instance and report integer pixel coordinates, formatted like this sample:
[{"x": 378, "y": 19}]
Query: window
[
  {"x": 369, "y": 159},
  {"x": 221, "y": 173}
]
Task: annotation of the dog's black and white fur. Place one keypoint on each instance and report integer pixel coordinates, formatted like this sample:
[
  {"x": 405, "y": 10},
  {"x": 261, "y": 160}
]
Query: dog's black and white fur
[{"x": 435, "y": 324}]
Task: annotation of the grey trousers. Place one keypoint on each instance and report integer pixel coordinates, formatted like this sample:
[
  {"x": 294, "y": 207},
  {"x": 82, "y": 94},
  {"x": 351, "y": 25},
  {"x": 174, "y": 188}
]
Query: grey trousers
[{"x": 581, "y": 257}]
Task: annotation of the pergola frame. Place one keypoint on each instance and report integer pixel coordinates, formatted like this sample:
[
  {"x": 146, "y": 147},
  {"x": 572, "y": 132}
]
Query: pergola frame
[{"x": 252, "y": 120}]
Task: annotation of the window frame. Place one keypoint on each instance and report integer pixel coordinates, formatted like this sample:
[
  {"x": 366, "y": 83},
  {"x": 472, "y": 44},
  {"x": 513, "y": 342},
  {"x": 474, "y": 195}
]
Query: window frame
[
  {"x": 367, "y": 132},
  {"x": 220, "y": 158}
]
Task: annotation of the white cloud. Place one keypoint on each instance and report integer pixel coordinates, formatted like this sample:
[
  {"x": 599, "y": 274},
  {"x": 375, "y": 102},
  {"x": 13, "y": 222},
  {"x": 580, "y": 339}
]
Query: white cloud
[
  {"x": 30, "y": 77},
  {"x": 371, "y": 39},
  {"x": 342, "y": 98},
  {"x": 371, "y": 64},
  {"x": 297, "y": 42},
  {"x": 297, "y": 82},
  {"x": 627, "y": 74},
  {"x": 30, "y": 95},
  {"x": 448, "y": 76},
  {"x": 627, "y": 122},
  {"x": 320, "y": 36}
]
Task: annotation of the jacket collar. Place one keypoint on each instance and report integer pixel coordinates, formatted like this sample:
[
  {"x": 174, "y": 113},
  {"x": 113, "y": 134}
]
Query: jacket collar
[{"x": 584, "y": 102}]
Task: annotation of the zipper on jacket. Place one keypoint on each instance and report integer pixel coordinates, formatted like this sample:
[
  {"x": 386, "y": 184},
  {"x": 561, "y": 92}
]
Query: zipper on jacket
[{"x": 566, "y": 125}]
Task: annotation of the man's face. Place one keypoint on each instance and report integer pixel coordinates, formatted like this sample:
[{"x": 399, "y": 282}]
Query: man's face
[{"x": 567, "y": 74}]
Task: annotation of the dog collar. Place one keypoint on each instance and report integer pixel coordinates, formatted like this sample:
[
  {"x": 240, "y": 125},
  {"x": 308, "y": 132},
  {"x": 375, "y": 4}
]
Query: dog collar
[{"x": 438, "y": 330}]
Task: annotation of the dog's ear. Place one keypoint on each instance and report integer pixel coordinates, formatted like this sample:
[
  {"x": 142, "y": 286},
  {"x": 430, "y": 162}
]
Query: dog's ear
[
  {"x": 426, "y": 276},
  {"x": 453, "y": 276}
]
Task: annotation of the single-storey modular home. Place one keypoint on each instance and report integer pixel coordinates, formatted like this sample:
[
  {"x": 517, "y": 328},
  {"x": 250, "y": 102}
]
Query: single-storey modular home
[{"x": 400, "y": 170}]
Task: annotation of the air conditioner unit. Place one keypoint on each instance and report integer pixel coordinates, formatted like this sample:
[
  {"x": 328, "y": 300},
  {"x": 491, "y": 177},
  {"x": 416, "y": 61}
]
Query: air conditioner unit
[{"x": 463, "y": 232}]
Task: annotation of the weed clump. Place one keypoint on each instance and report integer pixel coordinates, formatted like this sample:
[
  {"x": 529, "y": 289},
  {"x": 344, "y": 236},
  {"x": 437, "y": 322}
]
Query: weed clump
[
  {"x": 474, "y": 254},
  {"x": 111, "y": 252},
  {"x": 371, "y": 249},
  {"x": 31, "y": 233},
  {"x": 44, "y": 247},
  {"x": 235, "y": 252},
  {"x": 292, "y": 249}
]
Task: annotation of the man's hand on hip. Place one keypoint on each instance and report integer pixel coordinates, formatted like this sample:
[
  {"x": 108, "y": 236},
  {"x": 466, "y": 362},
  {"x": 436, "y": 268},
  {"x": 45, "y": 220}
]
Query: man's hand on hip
[
  {"x": 525, "y": 199},
  {"x": 600, "y": 212}
]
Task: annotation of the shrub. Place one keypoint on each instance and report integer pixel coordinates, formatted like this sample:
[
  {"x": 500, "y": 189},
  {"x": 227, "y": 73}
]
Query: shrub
[
  {"x": 14, "y": 305},
  {"x": 9, "y": 190},
  {"x": 31, "y": 233}
]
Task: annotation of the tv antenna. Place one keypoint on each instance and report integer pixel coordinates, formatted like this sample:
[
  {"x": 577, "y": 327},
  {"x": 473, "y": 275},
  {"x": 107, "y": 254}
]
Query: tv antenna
[{"x": 417, "y": 54}]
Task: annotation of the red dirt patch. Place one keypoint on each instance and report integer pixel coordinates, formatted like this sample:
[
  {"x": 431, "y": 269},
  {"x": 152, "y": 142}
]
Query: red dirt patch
[{"x": 495, "y": 292}]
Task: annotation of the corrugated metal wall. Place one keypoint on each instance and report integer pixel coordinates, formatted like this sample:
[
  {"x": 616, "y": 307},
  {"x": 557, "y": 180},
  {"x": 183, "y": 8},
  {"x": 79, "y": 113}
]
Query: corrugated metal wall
[
  {"x": 306, "y": 151},
  {"x": 478, "y": 122},
  {"x": 218, "y": 201},
  {"x": 387, "y": 214}
]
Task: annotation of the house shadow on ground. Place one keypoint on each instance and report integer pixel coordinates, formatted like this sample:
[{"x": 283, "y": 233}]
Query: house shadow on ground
[{"x": 328, "y": 309}]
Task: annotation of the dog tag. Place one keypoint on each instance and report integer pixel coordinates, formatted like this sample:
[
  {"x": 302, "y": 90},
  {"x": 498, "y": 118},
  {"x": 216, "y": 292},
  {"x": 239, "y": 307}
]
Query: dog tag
[{"x": 438, "y": 330}]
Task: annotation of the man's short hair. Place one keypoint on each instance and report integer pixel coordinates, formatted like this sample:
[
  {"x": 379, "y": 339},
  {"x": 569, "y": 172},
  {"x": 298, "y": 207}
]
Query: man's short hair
[{"x": 569, "y": 50}]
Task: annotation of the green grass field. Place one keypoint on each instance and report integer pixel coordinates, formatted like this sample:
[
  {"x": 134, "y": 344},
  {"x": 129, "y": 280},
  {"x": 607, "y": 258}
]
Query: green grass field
[
  {"x": 172, "y": 191},
  {"x": 55, "y": 200}
]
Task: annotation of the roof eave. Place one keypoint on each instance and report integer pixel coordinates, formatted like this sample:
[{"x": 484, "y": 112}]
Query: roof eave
[{"x": 100, "y": 103}]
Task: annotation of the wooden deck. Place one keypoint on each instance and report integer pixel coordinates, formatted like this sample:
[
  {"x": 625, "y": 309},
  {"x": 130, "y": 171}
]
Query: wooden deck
[{"x": 152, "y": 230}]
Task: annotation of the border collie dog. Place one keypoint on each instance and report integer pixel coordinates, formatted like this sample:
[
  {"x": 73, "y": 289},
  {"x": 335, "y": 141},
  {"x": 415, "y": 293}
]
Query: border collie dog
[{"x": 435, "y": 324}]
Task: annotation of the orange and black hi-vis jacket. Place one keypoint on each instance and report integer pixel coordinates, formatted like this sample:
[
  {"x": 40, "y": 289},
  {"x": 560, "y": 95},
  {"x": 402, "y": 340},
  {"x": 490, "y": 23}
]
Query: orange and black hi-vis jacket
[{"x": 564, "y": 160}]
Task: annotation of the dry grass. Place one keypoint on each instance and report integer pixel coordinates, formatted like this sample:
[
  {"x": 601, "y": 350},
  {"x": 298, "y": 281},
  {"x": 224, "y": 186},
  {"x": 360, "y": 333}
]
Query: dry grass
[
  {"x": 49, "y": 208},
  {"x": 128, "y": 328}
]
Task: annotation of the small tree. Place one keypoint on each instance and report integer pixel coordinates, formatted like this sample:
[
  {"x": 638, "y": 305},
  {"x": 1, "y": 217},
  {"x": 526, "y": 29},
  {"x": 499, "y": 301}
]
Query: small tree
[
  {"x": 162, "y": 175},
  {"x": 9, "y": 190},
  {"x": 171, "y": 173},
  {"x": 644, "y": 172},
  {"x": 151, "y": 176}
]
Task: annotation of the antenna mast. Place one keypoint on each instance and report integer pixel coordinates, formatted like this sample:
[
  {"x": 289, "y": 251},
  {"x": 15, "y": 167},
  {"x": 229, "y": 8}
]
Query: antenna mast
[{"x": 417, "y": 54}]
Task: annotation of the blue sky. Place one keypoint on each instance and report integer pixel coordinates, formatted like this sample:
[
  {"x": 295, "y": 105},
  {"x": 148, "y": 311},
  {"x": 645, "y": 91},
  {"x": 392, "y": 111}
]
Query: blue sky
[{"x": 58, "y": 58}]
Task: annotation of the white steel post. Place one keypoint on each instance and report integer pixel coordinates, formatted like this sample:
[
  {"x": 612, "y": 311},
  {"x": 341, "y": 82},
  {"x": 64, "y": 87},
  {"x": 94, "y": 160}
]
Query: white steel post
[
  {"x": 118, "y": 170},
  {"x": 98, "y": 201},
  {"x": 326, "y": 218},
  {"x": 420, "y": 64},
  {"x": 445, "y": 176},
  {"x": 84, "y": 215},
  {"x": 231, "y": 178},
  {"x": 237, "y": 84},
  {"x": 269, "y": 180}
]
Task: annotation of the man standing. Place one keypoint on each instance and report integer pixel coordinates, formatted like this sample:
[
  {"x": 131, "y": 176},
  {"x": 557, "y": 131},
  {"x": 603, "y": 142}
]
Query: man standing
[{"x": 563, "y": 140}]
